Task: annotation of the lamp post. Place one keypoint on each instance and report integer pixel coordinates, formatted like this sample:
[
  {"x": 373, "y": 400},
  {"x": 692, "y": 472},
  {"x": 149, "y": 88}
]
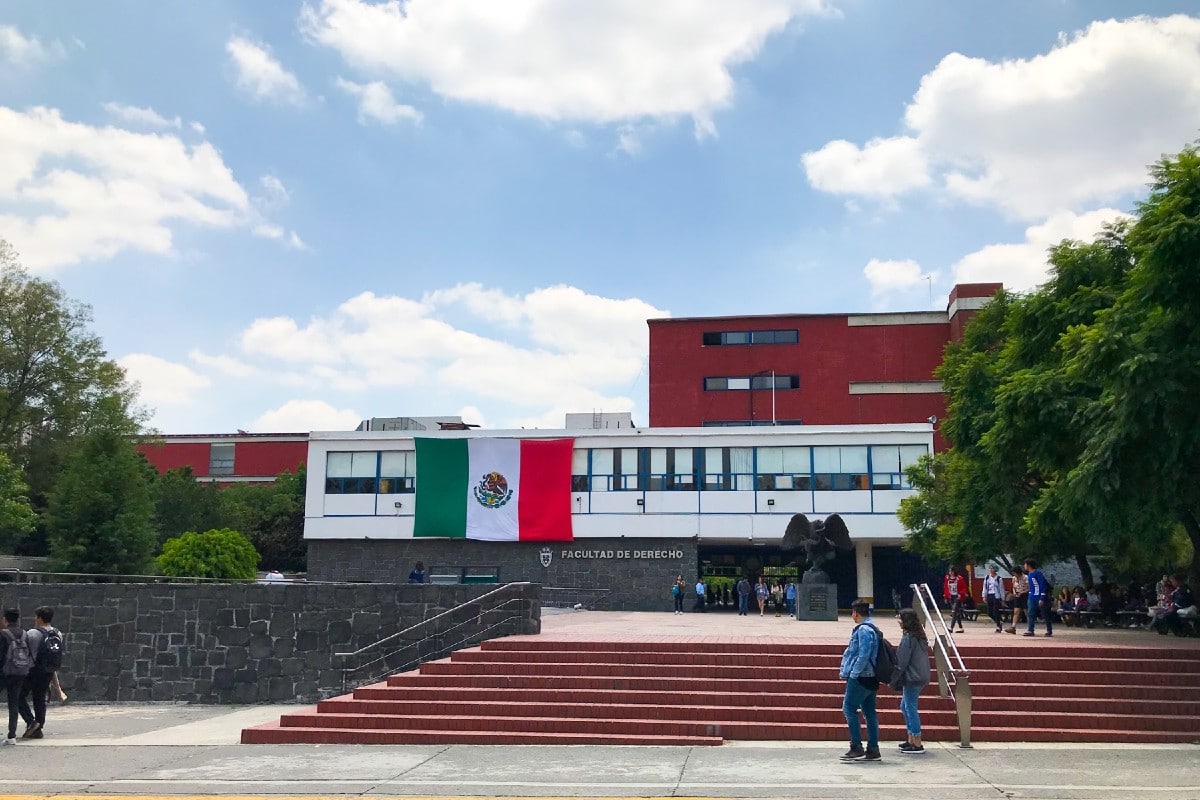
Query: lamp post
[{"x": 761, "y": 373}]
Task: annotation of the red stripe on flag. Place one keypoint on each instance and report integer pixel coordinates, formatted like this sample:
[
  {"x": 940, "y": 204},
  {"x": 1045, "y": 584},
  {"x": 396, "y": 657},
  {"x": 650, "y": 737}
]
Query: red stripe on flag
[{"x": 544, "y": 509}]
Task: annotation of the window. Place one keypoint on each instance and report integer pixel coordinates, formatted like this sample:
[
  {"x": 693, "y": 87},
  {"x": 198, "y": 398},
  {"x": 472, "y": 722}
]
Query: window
[
  {"x": 728, "y": 469},
  {"x": 888, "y": 463},
  {"x": 789, "y": 336},
  {"x": 839, "y": 469},
  {"x": 220, "y": 459},
  {"x": 351, "y": 473},
  {"x": 579, "y": 471},
  {"x": 671, "y": 469},
  {"x": 397, "y": 472},
  {"x": 783, "y": 469},
  {"x": 768, "y": 381}
]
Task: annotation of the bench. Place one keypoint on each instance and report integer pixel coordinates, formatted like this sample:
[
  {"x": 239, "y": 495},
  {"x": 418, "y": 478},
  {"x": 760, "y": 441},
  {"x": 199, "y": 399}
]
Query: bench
[
  {"x": 1133, "y": 619},
  {"x": 1082, "y": 618}
]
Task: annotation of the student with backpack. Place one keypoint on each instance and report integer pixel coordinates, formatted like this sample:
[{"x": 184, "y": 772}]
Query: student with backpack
[
  {"x": 46, "y": 644},
  {"x": 858, "y": 670},
  {"x": 15, "y": 663}
]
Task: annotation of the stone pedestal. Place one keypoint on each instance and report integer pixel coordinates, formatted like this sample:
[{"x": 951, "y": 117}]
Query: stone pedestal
[{"x": 817, "y": 601}]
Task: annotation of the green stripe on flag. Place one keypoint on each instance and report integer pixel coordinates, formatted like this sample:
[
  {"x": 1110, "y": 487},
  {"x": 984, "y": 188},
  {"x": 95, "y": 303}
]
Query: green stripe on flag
[{"x": 441, "y": 488}]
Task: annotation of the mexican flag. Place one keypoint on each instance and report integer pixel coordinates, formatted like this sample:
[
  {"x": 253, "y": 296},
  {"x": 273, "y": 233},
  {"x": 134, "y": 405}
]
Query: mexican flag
[{"x": 496, "y": 490}]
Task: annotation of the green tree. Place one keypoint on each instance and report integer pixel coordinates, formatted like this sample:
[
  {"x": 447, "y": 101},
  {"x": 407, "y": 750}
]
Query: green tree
[
  {"x": 56, "y": 381},
  {"x": 272, "y": 517},
  {"x": 1139, "y": 469},
  {"x": 16, "y": 515},
  {"x": 181, "y": 504},
  {"x": 220, "y": 553},
  {"x": 1071, "y": 410},
  {"x": 100, "y": 513}
]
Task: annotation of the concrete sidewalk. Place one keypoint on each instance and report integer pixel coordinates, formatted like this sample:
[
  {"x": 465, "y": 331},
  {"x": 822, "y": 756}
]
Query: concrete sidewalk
[
  {"x": 173, "y": 750},
  {"x": 163, "y": 750}
]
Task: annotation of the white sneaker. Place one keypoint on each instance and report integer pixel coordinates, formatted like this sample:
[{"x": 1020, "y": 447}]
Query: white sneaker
[{"x": 9, "y": 740}]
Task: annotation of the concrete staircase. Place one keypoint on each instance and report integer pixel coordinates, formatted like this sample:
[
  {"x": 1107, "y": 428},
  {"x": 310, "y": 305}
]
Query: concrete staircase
[{"x": 530, "y": 690}]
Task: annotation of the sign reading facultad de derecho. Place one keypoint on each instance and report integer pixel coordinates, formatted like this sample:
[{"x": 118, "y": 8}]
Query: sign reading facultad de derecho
[{"x": 622, "y": 554}]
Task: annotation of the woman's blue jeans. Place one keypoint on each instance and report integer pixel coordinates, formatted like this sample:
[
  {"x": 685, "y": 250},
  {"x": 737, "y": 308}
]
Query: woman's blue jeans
[{"x": 908, "y": 707}]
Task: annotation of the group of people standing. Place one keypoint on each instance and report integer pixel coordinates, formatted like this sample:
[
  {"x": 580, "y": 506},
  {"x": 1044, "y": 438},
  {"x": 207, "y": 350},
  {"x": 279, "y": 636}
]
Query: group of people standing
[{"x": 29, "y": 661}]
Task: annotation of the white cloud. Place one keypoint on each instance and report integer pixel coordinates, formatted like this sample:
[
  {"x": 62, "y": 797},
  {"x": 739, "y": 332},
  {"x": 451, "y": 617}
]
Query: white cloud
[
  {"x": 273, "y": 195},
  {"x": 563, "y": 350},
  {"x": 78, "y": 192},
  {"x": 306, "y": 415},
  {"x": 1022, "y": 266},
  {"x": 884, "y": 167},
  {"x": 197, "y": 127},
  {"x": 162, "y": 382},
  {"x": 226, "y": 365},
  {"x": 24, "y": 51},
  {"x": 1031, "y": 137},
  {"x": 145, "y": 117},
  {"x": 375, "y": 102},
  {"x": 894, "y": 276},
  {"x": 261, "y": 76},
  {"x": 617, "y": 61}
]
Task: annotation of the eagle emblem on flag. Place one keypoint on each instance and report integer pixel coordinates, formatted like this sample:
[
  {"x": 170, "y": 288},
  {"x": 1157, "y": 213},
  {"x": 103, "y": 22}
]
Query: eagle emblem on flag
[{"x": 492, "y": 490}]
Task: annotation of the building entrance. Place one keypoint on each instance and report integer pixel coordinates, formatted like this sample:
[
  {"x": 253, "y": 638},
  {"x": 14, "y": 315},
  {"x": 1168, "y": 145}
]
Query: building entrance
[{"x": 722, "y": 566}]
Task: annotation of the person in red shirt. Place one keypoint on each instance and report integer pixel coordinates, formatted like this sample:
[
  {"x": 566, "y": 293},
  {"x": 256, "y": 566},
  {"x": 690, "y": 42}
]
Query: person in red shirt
[{"x": 954, "y": 591}]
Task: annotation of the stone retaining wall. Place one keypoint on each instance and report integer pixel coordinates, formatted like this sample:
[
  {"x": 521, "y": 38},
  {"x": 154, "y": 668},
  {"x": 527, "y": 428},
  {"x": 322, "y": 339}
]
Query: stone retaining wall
[
  {"x": 637, "y": 572},
  {"x": 240, "y": 643}
]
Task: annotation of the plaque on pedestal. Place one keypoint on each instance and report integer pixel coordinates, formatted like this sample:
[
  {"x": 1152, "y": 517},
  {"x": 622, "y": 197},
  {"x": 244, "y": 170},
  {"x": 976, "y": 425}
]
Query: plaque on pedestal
[{"x": 817, "y": 601}]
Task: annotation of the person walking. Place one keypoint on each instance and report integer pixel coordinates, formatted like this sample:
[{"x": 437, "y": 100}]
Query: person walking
[
  {"x": 37, "y": 682},
  {"x": 701, "y": 595},
  {"x": 1039, "y": 598},
  {"x": 858, "y": 671},
  {"x": 743, "y": 595},
  {"x": 789, "y": 597},
  {"x": 1020, "y": 592},
  {"x": 993, "y": 595},
  {"x": 677, "y": 590},
  {"x": 762, "y": 591},
  {"x": 911, "y": 676},
  {"x": 15, "y": 661},
  {"x": 954, "y": 592}
]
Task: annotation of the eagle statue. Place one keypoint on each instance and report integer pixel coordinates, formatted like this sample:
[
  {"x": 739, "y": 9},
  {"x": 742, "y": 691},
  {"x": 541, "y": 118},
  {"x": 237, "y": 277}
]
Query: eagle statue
[{"x": 819, "y": 539}]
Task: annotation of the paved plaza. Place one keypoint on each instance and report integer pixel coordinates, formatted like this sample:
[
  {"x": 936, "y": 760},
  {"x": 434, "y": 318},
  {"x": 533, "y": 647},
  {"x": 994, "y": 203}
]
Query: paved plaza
[{"x": 178, "y": 750}]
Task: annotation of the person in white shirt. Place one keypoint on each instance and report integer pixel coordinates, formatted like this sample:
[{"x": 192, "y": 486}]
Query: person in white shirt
[{"x": 993, "y": 595}]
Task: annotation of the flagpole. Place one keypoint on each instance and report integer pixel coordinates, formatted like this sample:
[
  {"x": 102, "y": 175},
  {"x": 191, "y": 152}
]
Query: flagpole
[{"x": 772, "y": 397}]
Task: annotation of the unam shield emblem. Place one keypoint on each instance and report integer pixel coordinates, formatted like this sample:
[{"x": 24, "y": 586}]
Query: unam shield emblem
[{"x": 547, "y": 555}]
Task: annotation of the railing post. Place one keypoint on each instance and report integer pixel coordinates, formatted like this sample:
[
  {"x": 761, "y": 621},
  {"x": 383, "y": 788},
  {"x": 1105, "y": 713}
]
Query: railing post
[{"x": 962, "y": 704}]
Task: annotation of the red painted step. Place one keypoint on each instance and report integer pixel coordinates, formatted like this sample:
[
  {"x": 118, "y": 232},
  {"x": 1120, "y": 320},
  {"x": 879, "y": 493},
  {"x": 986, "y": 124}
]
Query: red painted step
[{"x": 529, "y": 690}]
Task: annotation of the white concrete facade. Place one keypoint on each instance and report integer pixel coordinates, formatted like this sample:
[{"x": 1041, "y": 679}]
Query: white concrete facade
[{"x": 733, "y": 505}]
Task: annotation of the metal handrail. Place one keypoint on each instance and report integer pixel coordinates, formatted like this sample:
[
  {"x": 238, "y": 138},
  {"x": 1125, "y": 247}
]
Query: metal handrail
[
  {"x": 954, "y": 679},
  {"x": 420, "y": 639}
]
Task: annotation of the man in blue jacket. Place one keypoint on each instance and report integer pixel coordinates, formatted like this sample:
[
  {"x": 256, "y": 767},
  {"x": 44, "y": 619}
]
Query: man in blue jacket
[
  {"x": 1039, "y": 597},
  {"x": 858, "y": 671}
]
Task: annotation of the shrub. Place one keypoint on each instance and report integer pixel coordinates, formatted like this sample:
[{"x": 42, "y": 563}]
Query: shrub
[{"x": 219, "y": 553}]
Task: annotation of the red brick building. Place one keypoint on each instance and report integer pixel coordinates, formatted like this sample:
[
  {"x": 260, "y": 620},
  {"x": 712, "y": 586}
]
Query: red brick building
[
  {"x": 229, "y": 457},
  {"x": 811, "y": 369}
]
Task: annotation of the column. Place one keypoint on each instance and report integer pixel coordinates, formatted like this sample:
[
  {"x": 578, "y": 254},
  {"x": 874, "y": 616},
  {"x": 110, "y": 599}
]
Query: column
[{"x": 864, "y": 562}]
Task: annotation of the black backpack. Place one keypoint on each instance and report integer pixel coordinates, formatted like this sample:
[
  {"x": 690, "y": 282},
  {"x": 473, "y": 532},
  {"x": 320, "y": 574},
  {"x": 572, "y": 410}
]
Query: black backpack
[
  {"x": 885, "y": 660},
  {"x": 17, "y": 660},
  {"x": 50, "y": 651}
]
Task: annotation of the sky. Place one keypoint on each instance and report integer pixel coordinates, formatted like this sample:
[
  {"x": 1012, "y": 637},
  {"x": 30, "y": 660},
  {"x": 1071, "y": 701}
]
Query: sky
[{"x": 291, "y": 216}]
